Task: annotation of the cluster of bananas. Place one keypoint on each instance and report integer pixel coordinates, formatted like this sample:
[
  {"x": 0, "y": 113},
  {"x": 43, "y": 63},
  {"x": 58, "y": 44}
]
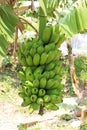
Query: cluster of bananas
[
  {"x": 52, "y": 34},
  {"x": 41, "y": 74}
]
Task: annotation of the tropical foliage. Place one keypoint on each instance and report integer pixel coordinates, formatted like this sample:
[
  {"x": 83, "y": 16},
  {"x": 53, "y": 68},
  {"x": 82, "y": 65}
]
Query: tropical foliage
[{"x": 8, "y": 21}]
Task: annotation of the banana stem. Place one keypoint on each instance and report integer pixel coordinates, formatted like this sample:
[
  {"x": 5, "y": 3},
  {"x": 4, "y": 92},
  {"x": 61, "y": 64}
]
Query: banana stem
[
  {"x": 42, "y": 16},
  {"x": 41, "y": 110}
]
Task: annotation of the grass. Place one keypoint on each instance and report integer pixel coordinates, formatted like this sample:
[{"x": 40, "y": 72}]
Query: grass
[
  {"x": 83, "y": 127},
  {"x": 9, "y": 83}
]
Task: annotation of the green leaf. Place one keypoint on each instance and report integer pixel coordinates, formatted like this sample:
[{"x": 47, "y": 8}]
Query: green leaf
[
  {"x": 72, "y": 22},
  {"x": 3, "y": 45},
  {"x": 8, "y": 21},
  {"x": 9, "y": 15}
]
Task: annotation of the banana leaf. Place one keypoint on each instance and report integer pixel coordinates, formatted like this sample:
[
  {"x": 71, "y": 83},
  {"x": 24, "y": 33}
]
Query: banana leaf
[
  {"x": 74, "y": 21},
  {"x": 8, "y": 21}
]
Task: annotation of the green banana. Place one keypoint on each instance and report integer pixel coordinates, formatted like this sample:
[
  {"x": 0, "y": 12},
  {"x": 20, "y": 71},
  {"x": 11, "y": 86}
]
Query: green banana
[
  {"x": 22, "y": 94},
  {"x": 56, "y": 84},
  {"x": 40, "y": 50},
  {"x": 37, "y": 76},
  {"x": 40, "y": 101},
  {"x": 58, "y": 55},
  {"x": 41, "y": 92},
  {"x": 36, "y": 59},
  {"x": 30, "y": 78},
  {"x": 50, "y": 57},
  {"x": 29, "y": 60},
  {"x": 46, "y": 34},
  {"x": 23, "y": 61},
  {"x": 29, "y": 45},
  {"x": 46, "y": 74},
  {"x": 33, "y": 106},
  {"x": 57, "y": 69},
  {"x": 33, "y": 98},
  {"x": 26, "y": 101},
  {"x": 43, "y": 58},
  {"x": 50, "y": 66},
  {"x": 55, "y": 99},
  {"x": 50, "y": 47},
  {"x": 36, "y": 83},
  {"x": 55, "y": 35},
  {"x": 38, "y": 71},
  {"x": 51, "y": 74},
  {"x": 50, "y": 83},
  {"x": 46, "y": 98},
  {"x": 52, "y": 91},
  {"x": 51, "y": 106},
  {"x": 34, "y": 90},
  {"x": 29, "y": 74},
  {"x": 22, "y": 48},
  {"x": 22, "y": 75},
  {"x": 62, "y": 38},
  {"x": 43, "y": 82},
  {"x": 28, "y": 70},
  {"x": 27, "y": 91},
  {"x": 53, "y": 31},
  {"x": 32, "y": 51},
  {"x": 29, "y": 83},
  {"x": 39, "y": 43}
]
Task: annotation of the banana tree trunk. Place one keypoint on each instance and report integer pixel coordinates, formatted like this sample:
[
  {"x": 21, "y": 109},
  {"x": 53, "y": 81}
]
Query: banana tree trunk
[{"x": 72, "y": 69}]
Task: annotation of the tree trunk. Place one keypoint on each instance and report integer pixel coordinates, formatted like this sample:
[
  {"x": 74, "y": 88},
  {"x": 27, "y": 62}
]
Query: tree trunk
[{"x": 72, "y": 69}]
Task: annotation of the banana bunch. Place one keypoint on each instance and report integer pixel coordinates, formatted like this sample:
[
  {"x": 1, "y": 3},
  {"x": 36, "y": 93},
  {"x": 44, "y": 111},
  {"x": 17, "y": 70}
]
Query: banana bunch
[
  {"x": 40, "y": 85},
  {"x": 50, "y": 34},
  {"x": 43, "y": 90},
  {"x": 37, "y": 55},
  {"x": 41, "y": 72}
]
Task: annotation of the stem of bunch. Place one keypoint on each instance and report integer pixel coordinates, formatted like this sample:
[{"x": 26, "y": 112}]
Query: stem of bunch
[{"x": 41, "y": 110}]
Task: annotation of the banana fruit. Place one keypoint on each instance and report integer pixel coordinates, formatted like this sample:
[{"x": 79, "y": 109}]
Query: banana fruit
[{"x": 41, "y": 80}]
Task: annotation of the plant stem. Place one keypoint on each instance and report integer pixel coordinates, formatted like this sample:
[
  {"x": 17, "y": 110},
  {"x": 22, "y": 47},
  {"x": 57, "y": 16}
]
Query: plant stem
[
  {"x": 41, "y": 110},
  {"x": 42, "y": 17}
]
